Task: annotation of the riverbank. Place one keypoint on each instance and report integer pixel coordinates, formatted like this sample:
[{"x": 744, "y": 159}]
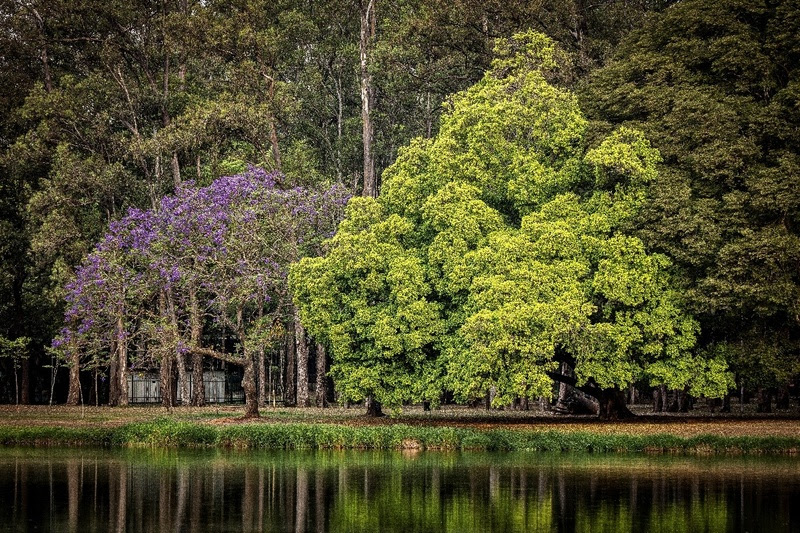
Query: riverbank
[{"x": 347, "y": 429}]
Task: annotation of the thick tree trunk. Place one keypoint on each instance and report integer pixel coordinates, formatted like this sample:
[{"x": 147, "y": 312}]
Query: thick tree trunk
[
  {"x": 74, "y": 393},
  {"x": 301, "y": 344},
  {"x": 322, "y": 389},
  {"x": 249, "y": 386},
  {"x": 198, "y": 386},
  {"x": 373, "y": 407},
  {"x": 367, "y": 16},
  {"x": 183, "y": 379},
  {"x": 611, "y": 401},
  {"x": 563, "y": 388},
  {"x": 612, "y": 405}
]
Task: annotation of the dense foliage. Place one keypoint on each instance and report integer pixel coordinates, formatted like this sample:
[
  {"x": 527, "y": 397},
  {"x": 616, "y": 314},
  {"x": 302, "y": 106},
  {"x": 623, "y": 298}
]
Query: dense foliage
[
  {"x": 207, "y": 257},
  {"x": 108, "y": 106},
  {"x": 715, "y": 87},
  {"x": 497, "y": 250}
]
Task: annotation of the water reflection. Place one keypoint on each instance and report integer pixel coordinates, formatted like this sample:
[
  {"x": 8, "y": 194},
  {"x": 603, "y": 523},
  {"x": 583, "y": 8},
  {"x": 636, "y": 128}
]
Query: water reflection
[{"x": 142, "y": 491}]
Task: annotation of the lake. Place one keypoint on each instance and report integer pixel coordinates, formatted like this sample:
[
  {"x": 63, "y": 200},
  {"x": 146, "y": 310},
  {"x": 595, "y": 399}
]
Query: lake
[{"x": 166, "y": 490}]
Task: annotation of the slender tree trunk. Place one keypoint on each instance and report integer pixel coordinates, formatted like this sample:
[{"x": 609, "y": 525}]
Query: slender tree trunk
[
  {"x": 273, "y": 130},
  {"x": 165, "y": 381},
  {"x": 262, "y": 371},
  {"x": 726, "y": 404},
  {"x": 563, "y": 388},
  {"x": 25, "y": 382},
  {"x": 122, "y": 347},
  {"x": 339, "y": 124},
  {"x": 113, "y": 380},
  {"x": 165, "y": 376},
  {"x": 783, "y": 398},
  {"x": 180, "y": 357},
  {"x": 367, "y": 33},
  {"x": 764, "y": 400},
  {"x": 322, "y": 389},
  {"x": 301, "y": 344},
  {"x": 198, "y": 390},
  {"x": 291, "y": 391}
]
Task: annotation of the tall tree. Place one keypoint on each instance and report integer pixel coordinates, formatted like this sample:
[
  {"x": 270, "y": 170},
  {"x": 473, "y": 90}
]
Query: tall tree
[
  {"x": 714, "y": 86},
  {"x": 498, "y": 249}
]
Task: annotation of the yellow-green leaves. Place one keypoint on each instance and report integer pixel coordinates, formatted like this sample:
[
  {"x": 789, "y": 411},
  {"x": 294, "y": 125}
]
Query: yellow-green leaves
[{"x": 492, "y": 252}]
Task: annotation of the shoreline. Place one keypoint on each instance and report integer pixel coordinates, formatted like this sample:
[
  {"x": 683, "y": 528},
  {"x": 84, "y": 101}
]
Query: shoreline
[{"x": 249, "y": 435}]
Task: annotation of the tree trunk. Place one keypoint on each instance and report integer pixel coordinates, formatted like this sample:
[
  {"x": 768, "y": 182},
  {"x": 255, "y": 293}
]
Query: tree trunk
[
  {"x": 660, "y": 399},
  {"x": 301, "y": 345},
  {"x": 373, "y": 407},
  {"x": 322, "y": 389},
  {"x": 249, "y": 386},
  {"x": 113, "y": 381},
  {"x": 196, "y": 325},
  {"x": 180, "y": 357},
  {"x": 764, "y": 401},
  {"x": 122, "y": 347},
  {"x": 367, "y": 33},
  {"x": 291, "y": 391},
  {"x": 726, "y": 404},
  {"x": 262, "y": 377},
  {"x": 198, "y": 388},
  {"x": 165, "y": 381},
  {"x": 183, "y": 379},
  {"x": 611, "y": 401},
  {"x": 25, "y": 382},
  {"x": 684, "y": 401},
  {"x": 783, "y": 399},
  {"x": 563, "y": 388},
  {"x": 74, "y": 393},
  {"x": 273, "y": 130},
  {"x": 165, "y": 375},
  {"x": 612, "y": 405}
]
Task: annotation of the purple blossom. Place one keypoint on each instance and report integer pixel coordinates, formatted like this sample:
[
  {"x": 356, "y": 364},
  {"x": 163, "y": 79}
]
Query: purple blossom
[{"x": 229, "y": 244}]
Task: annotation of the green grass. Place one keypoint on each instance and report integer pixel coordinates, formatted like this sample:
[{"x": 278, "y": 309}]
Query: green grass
[{"x": 166, "y": 433}]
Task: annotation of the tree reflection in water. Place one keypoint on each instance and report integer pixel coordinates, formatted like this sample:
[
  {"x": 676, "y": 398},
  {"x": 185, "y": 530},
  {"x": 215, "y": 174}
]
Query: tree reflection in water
[{"x": 133, "y": 491}]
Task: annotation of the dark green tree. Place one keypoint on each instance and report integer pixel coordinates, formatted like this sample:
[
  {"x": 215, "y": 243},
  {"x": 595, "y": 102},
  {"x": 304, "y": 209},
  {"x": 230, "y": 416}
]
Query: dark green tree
[{"x": 715, "y": 86}]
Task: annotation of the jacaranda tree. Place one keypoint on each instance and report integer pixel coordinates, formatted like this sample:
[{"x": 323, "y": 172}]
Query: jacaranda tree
[
  {"x": 499, "y": 250},
  {"x": 213, "y": 256}
]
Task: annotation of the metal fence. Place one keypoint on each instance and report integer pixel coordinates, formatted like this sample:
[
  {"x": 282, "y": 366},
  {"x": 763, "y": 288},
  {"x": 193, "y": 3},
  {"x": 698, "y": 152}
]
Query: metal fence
[{"x": 218, "y": 387}]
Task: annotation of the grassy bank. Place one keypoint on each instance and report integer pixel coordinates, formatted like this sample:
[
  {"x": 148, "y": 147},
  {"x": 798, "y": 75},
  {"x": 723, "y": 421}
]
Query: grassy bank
[{"x": 182, "y": 434}]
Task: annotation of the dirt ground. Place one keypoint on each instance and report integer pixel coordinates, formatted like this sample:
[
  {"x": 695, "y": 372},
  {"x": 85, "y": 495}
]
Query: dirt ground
[{"x": 700, "y": 421}]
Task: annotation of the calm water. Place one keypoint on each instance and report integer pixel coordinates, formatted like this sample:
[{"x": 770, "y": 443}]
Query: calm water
[{"x": 144, "y": 490}]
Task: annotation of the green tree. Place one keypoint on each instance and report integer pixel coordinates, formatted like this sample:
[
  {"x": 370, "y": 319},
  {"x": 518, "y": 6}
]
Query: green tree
[
  {"x": 498, "y": 249},
  {"x": 714, "y": 86}
]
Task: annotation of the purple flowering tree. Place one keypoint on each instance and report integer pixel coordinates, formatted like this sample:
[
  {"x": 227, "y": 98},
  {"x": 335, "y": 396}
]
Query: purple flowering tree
[{"x": 214, "y": 256}]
